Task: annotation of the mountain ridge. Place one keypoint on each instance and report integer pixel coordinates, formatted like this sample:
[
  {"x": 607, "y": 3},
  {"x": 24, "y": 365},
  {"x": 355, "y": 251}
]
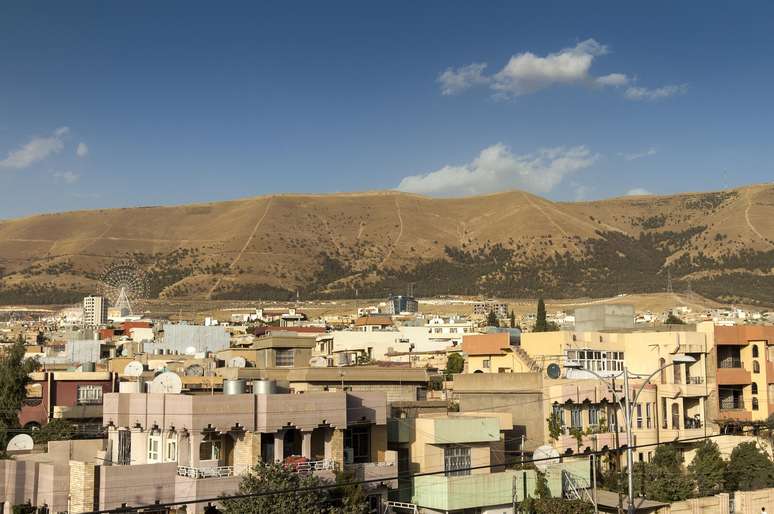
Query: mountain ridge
[{"x": 513, "y": 243}]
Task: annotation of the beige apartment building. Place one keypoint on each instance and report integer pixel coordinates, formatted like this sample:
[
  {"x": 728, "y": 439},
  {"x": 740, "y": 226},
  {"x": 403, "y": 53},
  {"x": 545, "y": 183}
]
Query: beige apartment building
[{"x": 177, "y": 448}]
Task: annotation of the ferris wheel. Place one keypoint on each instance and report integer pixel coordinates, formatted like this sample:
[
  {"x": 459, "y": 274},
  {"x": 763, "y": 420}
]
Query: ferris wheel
[{"x": 124, "y": 284}]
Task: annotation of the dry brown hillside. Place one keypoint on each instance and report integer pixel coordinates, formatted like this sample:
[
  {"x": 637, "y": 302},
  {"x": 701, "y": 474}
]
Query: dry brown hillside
[{"x": 510, "y": 244}]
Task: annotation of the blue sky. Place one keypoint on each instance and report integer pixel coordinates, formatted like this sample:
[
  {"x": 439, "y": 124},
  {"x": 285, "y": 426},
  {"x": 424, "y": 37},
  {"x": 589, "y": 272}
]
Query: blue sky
[{"x": 176, "y": 102}]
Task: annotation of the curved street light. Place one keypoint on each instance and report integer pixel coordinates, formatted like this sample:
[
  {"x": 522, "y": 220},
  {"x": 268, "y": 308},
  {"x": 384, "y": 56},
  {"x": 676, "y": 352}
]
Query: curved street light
[{"x": 677, "y": 359}]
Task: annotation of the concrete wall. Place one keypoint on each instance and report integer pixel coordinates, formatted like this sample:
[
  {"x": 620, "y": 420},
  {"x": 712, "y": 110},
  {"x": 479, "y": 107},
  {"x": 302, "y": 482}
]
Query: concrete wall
[{"x": 136, "y": 485}]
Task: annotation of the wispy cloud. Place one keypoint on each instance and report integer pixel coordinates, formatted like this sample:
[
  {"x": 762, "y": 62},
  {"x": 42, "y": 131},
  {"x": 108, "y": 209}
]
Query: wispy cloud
[
  {"x": 68, "y": 177},
  {"x": 37, "y": 149},
  {"x": 659, "y": 93},
  {"x": 639, "y": 155},
  {"x": 527, "y": 73},
  {"x": 82, "y": 150},
  {"x": 496, "y": 168},
  {"x": 638, "y": 191}
]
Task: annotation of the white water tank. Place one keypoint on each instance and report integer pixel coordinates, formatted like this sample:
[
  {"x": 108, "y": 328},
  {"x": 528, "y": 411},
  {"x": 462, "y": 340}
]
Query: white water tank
[
  {"x": 264, "y": 387},
  {"x": 234, "y": 386}
]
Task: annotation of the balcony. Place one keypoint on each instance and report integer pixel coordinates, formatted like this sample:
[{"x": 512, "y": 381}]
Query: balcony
[
  {"x": 78, "y": 411},
  {"x": 567, "y": 441},
  {"x": 372, "y": 471},
  {"x": 733, "y": 376}
]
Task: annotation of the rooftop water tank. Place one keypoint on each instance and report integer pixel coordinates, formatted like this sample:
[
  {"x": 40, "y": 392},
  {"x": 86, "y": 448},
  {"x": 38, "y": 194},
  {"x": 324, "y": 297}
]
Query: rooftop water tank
[{"x": 234, "y": 386}]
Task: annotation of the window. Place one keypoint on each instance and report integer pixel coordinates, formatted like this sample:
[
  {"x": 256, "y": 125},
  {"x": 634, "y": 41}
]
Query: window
[
  {"x": 558, "y": 414},
  {"x": 755, "y": 351},
  {"x": 593, "y": 415},
  {"x": 486, "y": 363},
  {"x": 754, "y": 388},
  {"x": 171, "y": 453},
  {"x": 89, "y": 394},
  {"x": 456, "y": 460},
  {"x": 675, "y": 416},
  {"x": 677, "y": 374},
  {"x": 647, "y": 415},
  {"x": 284, "y": 358},
  {"x": 756, "y": 367},
  {"x": 576, "y": 421},
  {"x": 453, "y": 330},
  {"x": 154, "y": 446},
  {"x": 639, "y": 415},
  {"x": 209, "y": 448},
  {"x": 755, "y": 403},
  {"x": 358, "y": 438}
]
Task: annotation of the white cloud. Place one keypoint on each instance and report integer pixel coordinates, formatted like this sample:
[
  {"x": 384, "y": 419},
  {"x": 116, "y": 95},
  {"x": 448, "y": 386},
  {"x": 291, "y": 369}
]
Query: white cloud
[
  {"x": 36, "y": 150},
  {"x": 497, "y": 169},
  {"x": 659, "y": 93},
  {"x": 455, "y": 81},
  {"x": 527, "y": 73},
  {"x": 638, "y": 191},
  {"x": 82, "y": 150},
  {"x": 638, "y": 155},
  {"x": 67, "y": 176}
]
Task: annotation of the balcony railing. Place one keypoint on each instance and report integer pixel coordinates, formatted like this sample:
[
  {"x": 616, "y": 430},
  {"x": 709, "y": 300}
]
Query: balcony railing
[
  {"x": 207, "y": 472},
  {"x": 696, "y": 380},
  {"x": 730, "y": 362},
  {"x": 731, "y": 403},
  {"x": 310, "y": 466}
]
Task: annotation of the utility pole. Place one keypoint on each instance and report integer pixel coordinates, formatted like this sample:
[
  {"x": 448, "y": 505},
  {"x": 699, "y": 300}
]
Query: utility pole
[
  {"x": 617, "y": 446},
  {"x": 629, "y": 450},
  {"x": 594, "y": 474}
]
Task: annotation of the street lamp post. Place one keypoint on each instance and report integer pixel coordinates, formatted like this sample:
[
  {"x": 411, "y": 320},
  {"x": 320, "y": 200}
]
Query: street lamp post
[{"x": 677, "y": 359}]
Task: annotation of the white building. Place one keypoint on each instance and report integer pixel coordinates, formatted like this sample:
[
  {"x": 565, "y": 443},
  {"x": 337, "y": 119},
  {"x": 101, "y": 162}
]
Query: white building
[{"x": 95, "y": 311}]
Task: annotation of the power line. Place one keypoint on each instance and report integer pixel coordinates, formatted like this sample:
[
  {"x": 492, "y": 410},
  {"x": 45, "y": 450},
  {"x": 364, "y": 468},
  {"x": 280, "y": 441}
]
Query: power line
[{"x": 129, "y": 509}]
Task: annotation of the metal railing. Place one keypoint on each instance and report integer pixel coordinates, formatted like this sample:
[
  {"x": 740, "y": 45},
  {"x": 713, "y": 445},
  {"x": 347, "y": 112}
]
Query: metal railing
[
  {"x": 310, "y": 466},
  {"x": 206, "y": 472},
  {"x": 696, "y": 380},
  {"x": 730, "y": 363}
]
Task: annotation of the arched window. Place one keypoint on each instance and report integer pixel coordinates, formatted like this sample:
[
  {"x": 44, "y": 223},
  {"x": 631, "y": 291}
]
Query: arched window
[
  {"x": 754, "y": 388},
  {"x": 755, "y": 351},
  {"x": 755, "y": 403},
  {"x": 756, "y": 367},
  {"x": 661, "y": 364}
]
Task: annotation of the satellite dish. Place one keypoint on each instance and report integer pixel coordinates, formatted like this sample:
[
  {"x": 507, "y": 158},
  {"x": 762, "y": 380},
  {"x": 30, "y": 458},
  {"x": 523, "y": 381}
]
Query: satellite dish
[
  {"x": 168, "y": 383},
  {"x": 133, "y": 369},
  {"x": 544, "y": 456},
  {"x": 194, "y": 370},
  {"x": 554, "y": 370},
  {"x": 20, "y": 442},
  {"x": 318, "y": 362},
  {"x": 191, "y": 350},
  {"x": 237, "y": 362}
]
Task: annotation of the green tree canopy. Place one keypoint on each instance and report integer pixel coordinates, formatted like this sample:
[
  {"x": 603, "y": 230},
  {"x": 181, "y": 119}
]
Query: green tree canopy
[
  {"x": 268, "y": 477},
  {"x": 707, "y": 469},
  {"x": 491, "y": 319},
  {"x": 673, "y": 320},
  {"x": 664, "y": 479},
  {"x": 541, "y": 320},
  {"x": 749, "y": 468},
  {"x": 512, "y": 319},
  {"x": 57, "y": 429},
  {"x": 14, "y": 376},
  {"x": 455, "y": 363}
]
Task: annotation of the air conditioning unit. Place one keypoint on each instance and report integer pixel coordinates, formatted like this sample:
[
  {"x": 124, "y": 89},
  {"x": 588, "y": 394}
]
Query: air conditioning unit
[{"x": 349, "y": 456}]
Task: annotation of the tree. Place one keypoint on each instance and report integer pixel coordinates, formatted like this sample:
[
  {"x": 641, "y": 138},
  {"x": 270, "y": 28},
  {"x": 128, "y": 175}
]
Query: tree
[
  {"x": 268, "y": 477},
  {"x": 348, "y": 498},
  {"x": 455, "y": 363},
  {"x": 541, "y": 323},
  {"x": 14, "y": 376},
  {"x": 673, "y": 320},
  {"x": 664, "y": 479},
  {"x": 57, "y": 429},
  {"x": 707, "y": 469},
  {"x": 512, "y": 319},
  {"x": 748, "y": 468},
  {"x": 491, "y": 319}
]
